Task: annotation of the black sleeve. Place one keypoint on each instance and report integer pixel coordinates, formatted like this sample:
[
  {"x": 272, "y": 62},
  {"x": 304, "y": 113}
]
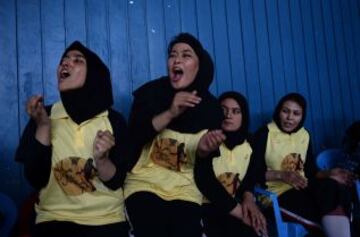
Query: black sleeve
[
  {"x": 141, "y": 129},
  {"x": 310, "y": 166},
  {"x": 258, "y": 144},
  {"x": 250, "y": 179},
  {"x": 119, "y": 153},
  {"x": 209, "y": 185},
  {"x": 35, "y": 156}
]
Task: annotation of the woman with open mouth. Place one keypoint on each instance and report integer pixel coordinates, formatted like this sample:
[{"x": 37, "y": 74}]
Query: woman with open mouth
[{"x": 168, "y": 117}]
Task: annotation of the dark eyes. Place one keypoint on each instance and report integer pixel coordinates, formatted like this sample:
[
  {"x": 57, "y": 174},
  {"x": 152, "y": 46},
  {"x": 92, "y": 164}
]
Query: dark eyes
[{"x": 232, "y": 110}]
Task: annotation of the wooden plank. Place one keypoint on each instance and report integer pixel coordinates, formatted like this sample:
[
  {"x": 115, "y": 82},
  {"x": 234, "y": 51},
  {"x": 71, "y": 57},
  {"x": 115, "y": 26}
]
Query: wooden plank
[
  {"x": 221, "y": 46},
  {"x": 188, "y": 16},
  {"x": 119, "y": 55},
  {"x": 171, "y": 19},
  {"x": 53, "y": 32},
  {"x": 205, "y": 28},
  {"x": 264, "y": 60},
  {"x": 275, "y": 49},
  {"x": 236, "y": 47},
  {"x": 156, "y": 36},
  {"x": 9, "y": 114},
  {"x": 251, "y": 62},
  {"x": 75, "y": 17},
  {"x": 139, "y": 48}
]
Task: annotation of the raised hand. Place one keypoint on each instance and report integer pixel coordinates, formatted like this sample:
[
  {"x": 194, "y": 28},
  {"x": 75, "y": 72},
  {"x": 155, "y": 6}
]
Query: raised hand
[
  {"x": 209, "y": 142},
  {"x": 342, "y": 176},
  {"x": 36, "y": 110},
  {"x": 183, "y": 100},
  {"x": 294, "y": 179},
  {"x": 103, "y": 142}
]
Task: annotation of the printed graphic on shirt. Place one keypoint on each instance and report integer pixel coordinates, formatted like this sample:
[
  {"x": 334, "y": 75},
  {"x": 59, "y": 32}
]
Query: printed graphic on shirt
[
  {"x": 169, "y": 153},
  {"x": 74, "y": 175},
  {"x": 292, "y": 162},
  {"x": 230, "y": 181}
]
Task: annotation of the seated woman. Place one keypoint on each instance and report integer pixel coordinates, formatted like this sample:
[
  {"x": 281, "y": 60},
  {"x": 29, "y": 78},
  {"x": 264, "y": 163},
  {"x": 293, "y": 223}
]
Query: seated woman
[
  {"x": 283, "y": 147},
  {"x": 168, "y": 117},
  {"x": 74, "y": 152},
  {"x": 235, "y": 172}
]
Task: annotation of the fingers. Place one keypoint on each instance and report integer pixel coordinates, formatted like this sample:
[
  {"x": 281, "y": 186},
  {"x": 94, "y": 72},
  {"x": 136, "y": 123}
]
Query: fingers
[
  {"x": 104, "y": 141},
  {"x": 34, "y": 105}
]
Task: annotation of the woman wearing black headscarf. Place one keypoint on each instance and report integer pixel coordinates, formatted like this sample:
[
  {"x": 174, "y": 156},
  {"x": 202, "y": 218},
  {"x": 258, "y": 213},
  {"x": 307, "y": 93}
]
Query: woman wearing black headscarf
[
  {"x": 74, "y": 152},
  {"x": 168, "y": 117},
  {"x": 235, "y": 170},
  {"x": 284, "y": 149}
]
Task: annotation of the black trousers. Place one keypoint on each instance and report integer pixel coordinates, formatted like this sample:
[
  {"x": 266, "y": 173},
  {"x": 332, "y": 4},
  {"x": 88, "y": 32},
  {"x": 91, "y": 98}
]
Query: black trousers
[
  {"x": 70, "y": 229},
  {"x": 220, "y": 224},
  {"x": 151, "y": 216}
]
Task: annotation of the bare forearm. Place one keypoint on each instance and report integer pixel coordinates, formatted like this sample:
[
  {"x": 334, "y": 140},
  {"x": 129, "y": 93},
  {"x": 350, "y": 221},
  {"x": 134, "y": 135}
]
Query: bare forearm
[
  {"x": 42, "y": 134},
  {"x": 105, "y": 168},
  {"x": 273, "y": 175},
  {"x": 162, "y": 120}
]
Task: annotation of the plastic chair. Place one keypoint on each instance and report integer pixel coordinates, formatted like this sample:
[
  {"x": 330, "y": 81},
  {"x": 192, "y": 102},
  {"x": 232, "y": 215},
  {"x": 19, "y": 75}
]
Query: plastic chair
[
  {"x": 9, "y": 212},
  {"x": 283, "y": 228}
]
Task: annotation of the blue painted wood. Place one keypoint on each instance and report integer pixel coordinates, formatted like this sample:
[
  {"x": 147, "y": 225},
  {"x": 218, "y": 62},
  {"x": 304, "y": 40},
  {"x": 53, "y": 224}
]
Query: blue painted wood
[
  {"x": 171, "y": 19},
  {"x": 9, "y": 111},
  {"x": 263, "y": 54},
  {"x": 323, "y": 74},
  {"x": 156, "y": 36},
  {"x": 206, "y": 34},
  {"x": 221, "y": 46},
  {"x": 342, "y": 61},
  {"x": 139, "y": 47},
  {"x": 275, "y": 48},
  {"x": 287, "y": 46},
  {"x": 251, "y": 62},
  {"x": 236, "y": 45},
  {"x": 52, "y": 26},
  {"x": 119, "y": 55},
  {"x": 188, "y": 16},
  {"x": 74, "y": 22}
]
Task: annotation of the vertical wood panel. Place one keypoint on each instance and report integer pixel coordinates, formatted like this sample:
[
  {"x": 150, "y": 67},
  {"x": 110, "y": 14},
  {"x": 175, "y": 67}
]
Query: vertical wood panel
[
  {"x": 139, "y": 48},
  {"x": 171, "y": 19},
  {"x": 9, "y": 114},
  {"x": 264, "y": 67},
  {"x": 206, "y": 33},
  {"x": 323, "y": 75},
  {"x": 119, "y": 51},
  {"x": 52, "y": 26},
  {"x": 157, "y": 43},
  {"x": 275, "y": 49},
  {"x": 75, "y": 17},
  {"x": 221, "y": 48},
  {"x": 251, "y": 63},
  {"x": 236, "y": 45},
  {"x": 342, "y": 61}
]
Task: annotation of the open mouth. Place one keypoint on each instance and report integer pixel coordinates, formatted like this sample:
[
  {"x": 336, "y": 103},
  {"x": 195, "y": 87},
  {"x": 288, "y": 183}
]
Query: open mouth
[
  {"x": 64, "y": 75},
  {"x": 178, "y": 73}
]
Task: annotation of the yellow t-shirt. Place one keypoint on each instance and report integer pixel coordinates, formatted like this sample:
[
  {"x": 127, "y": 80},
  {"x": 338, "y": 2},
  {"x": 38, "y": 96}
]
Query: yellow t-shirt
[
  {"x": 231, "y": 167},
  {"x": 285, "y": 152},
  {"x": 165, "y": 167},
  {"x": 70, "y": 195}
]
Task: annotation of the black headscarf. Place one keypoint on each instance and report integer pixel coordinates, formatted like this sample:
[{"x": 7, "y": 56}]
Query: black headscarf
[
  {"x": 295, "y": 97},
  {"x": 235, "y": 138},
  {"x": 158, "y": 94},
  {"x": 96, "y": 94}
]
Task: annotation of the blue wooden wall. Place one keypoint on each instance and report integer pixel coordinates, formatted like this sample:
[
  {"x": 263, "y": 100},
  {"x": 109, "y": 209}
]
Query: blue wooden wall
[{"x": 262, "y": 48}]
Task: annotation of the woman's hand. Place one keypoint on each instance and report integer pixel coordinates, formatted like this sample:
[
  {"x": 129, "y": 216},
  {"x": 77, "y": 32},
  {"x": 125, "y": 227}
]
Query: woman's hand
[
  {"x": 294, "y": 179},
  {"x": 103, "y": 142},
  {"x": 183, "y": 100},
  {"x": 36, "y": 110},
  {"x": 209, "y": 142},
  {"x": 252, "y": 215},
  {"x": 342, "y": 176}
]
